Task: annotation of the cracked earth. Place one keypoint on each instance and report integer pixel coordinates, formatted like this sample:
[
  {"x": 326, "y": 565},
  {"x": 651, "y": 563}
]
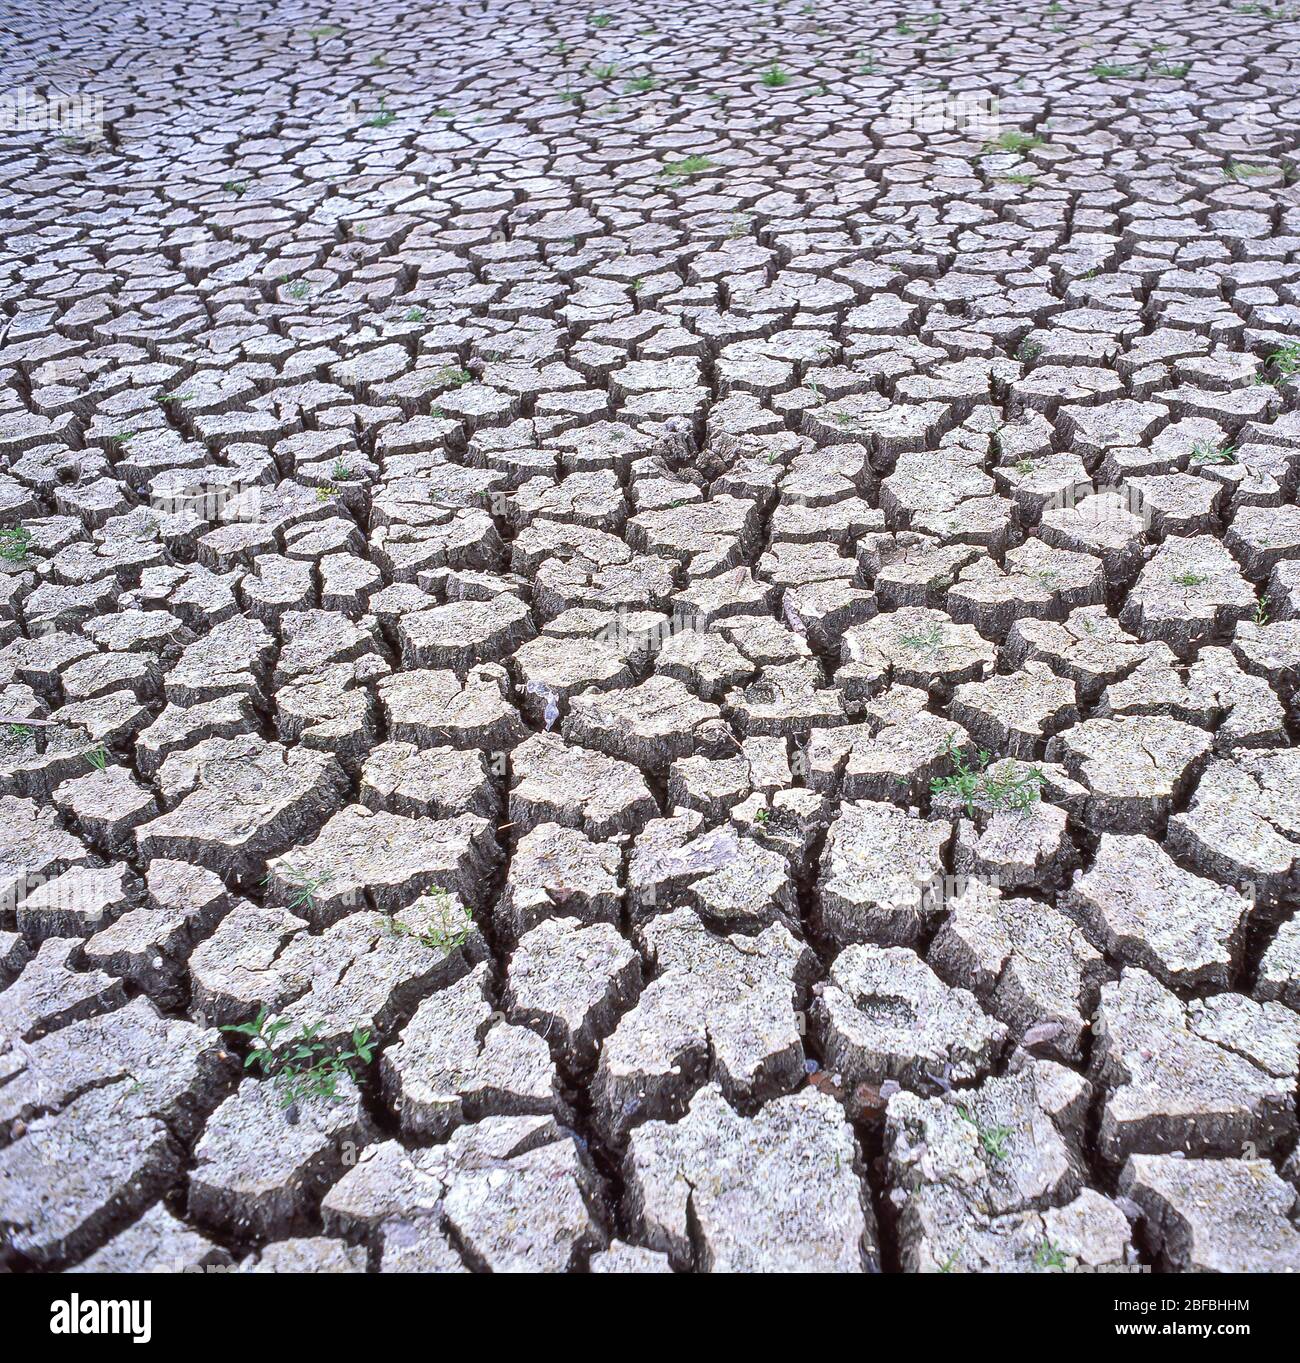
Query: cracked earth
[{"x": 688, "y": 621}]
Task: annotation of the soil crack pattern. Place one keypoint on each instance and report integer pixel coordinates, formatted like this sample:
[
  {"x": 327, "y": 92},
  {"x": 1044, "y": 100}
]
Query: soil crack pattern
[{"x": 650, "y": 640}]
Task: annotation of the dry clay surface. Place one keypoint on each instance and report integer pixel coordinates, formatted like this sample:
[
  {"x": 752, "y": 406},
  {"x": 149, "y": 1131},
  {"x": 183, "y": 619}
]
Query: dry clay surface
[{"x": 714, "y": 616}]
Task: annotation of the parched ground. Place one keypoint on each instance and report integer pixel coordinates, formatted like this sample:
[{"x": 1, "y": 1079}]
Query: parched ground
[{"x": 688, "y": 620}]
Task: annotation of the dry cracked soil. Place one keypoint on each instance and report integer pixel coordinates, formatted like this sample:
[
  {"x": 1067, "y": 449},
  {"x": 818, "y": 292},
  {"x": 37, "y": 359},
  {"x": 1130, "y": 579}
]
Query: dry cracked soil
[{"x": 650, "y": 639}]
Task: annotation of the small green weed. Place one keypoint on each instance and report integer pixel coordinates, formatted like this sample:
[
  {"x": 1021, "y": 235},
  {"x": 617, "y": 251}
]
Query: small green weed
[
  {"x": 688, "y": 165},
  {"x": 302, "y": 1066},
  {"x": 1015, "y": 790},
  {"x": 449, "y": 924},
  {"x": 452, "y": 376},
  {"x": 1206, "y": 452},
  {"x": 923, "y": 640},
  {"x": 1286, "y": 359},
  {"x": 993, "y": 1138},
  {"x": 15, "y": 543},
  {"x": 305, "y": 885},
  {"x": 1014, "y": 141}
]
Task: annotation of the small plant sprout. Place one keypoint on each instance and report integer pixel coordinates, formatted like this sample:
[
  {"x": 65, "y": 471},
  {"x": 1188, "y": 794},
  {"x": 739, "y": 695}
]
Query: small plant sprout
[
  {"x": 1006, "y": 789},
  {"x": 236, "y": 187},
  {"x": 1114, "y": 71},
  {"x": 453, "y": 376},
  {"x": 1241, "y": 170},
  {"x": 382, "y": 118},
  {"x": 1028, "y": 351},
  {"x": 774, "y": 76},
  {"x": 451, "y": 924},
  {"x": 1206, "y": 452},
  {"x": 741, "y": 226},
  {"x": 640, "y": 84},
  {"x": 993, "y": 1138},
  {"x": 15, "y": 543},
  {"x": 97, "y": 756},
  {"x": 1189, "y": 579},
  {"x": 303, "y": 1066},
  {"x": 601, "y": 20},
  {"x": 1047, "y": 1255},
  {"x": 923, "y": 640},
  {"x": 688, "y": 165},
  {"x": 305, "y": 885},
  {"x": 447, "y": 927},
  {"x": 1260, "y": 616},
  {"x": 413, "y": 315},
  {"x": 340, "y": 472},
  {"x": 325, "y": 492},
  {"x": 324, "y": 31},
  {"x": 20, "y": 732},
  {"x": 1014, "y": 141},
  {"x": 1286, "y": 359}
]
